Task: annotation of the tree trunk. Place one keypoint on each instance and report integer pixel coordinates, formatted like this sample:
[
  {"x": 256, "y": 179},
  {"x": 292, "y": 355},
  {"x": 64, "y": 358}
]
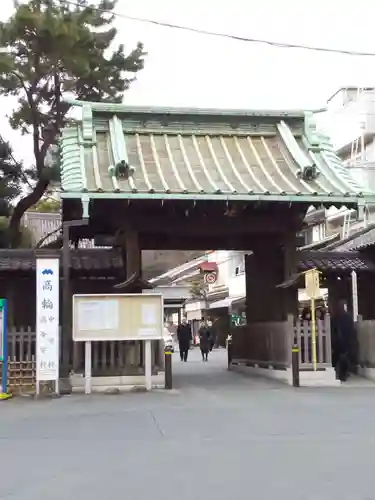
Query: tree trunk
[{"x": 21, "y": 207}]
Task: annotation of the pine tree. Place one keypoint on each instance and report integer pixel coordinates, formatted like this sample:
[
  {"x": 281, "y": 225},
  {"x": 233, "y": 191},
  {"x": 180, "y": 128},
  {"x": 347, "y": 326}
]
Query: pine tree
[
  {"x": 50, "y": 49},
  {"x": 13, "y": 180},
  {"x": 10, "y": 185},
  {"x": 46, "y": 205}
]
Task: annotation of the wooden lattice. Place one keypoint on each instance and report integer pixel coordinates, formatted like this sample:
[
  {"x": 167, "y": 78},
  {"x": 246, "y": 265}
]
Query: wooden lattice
[{"x": 21, "y": 376}]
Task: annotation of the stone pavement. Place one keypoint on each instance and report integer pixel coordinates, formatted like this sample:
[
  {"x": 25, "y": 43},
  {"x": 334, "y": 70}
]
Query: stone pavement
[{"x": 218, "y": 435}]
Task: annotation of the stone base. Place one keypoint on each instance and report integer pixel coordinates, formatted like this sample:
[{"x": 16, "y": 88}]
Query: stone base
[
  {"x": 368, "y": 373},
  {"x": 65, "y": 386},
  {"x": 323, "y": 378},
  {"x": 113, "y": 385}
]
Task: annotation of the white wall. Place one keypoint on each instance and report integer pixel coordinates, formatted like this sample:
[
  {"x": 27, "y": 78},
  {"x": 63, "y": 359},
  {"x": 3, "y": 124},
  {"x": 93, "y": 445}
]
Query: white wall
[
  {"x": 231, "y": 272},
  {"x": 222, "y": 258},
  {"x": 362, "y": 168},
  {"x": 236, "y": 278},
  {"x": 347, "y": 115},
  {"x": 237, "y": 286},
  {"x": 318, "y": 232}
]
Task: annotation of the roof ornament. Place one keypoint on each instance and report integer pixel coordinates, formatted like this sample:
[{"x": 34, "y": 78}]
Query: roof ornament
[
  {"x": 309, "y": 173},
  {"x": 308, "y": 170},
  {"x": 121, "y": 170},
  {"x": 311, "y": 131},
  {"x": 325, "y": 142}
]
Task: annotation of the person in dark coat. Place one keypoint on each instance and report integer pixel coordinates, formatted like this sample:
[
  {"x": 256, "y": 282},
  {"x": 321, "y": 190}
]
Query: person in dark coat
[
  {"x": 343, "y": 338},
  {"x": 212, "y": 334},
  {"x": 204, "y": 340},
  {"x": 184, "y": 338},
  {"x": 306, "y": 314}
]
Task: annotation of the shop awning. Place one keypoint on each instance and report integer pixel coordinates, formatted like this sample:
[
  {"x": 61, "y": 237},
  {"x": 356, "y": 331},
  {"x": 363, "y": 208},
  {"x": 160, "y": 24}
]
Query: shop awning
[
  {"x": 226, "y": 303},
  {"x": 208, "y": 267}
]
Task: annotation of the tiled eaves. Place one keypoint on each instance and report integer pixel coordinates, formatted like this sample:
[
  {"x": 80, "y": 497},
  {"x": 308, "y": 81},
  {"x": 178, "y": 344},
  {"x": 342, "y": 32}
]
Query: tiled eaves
[
  {"x": 102, "y": 260},
  {"x": 82, "y": 259},
  {"x": 238, "y": 164},
  {"x": 238, "y": 179},
  {"x": 359, "y": 240},
  {"x": 334, "y": 261}
]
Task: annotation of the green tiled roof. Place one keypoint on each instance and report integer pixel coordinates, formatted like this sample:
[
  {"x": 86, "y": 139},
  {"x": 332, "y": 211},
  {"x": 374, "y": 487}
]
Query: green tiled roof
[{"x": 208, "y": 154}]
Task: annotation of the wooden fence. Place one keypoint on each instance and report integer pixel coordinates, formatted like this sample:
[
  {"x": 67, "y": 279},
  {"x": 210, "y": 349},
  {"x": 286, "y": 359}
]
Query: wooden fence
[
  {"x": 21, "y": 360},
  {"x": 108, "y": 358},
  {"x": 270, "y": 344},
  {"x": 263, "y": 344},
  {"x": 304, "y": 339},
  {"x": 366, "y": 343}
]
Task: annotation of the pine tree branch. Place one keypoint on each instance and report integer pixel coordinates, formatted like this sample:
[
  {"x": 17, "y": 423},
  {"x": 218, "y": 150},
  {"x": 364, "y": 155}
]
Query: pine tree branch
[
  {"x": 46, "y": 236},
  {"x": 34, "y": 114}
]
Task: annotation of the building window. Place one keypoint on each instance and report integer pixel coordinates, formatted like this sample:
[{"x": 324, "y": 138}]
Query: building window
[
  {"x": 318, "y": 233},
  {"x": 240, "y": 269},
  {"x": 308, "y": 237}
]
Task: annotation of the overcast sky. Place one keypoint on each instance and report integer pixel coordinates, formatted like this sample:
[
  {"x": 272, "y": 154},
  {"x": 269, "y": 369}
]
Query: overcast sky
[{"x": 186, "y": 69}]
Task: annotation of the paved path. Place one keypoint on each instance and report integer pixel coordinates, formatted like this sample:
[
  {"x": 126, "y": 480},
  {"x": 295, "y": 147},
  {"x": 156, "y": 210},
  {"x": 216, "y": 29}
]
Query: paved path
[{"x": 218, "y": 436}]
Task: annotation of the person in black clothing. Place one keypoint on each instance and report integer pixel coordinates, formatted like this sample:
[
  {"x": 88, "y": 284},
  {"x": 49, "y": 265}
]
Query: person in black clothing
[
  {"x": 204, "y": 340},
  {"x": 343, "y": 336},
  {"x": 212, "y": 334},
  {"x": 184, "y": 338}
]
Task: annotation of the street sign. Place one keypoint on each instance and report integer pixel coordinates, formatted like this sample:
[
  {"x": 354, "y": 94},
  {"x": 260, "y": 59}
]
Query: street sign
[
  {"x": 312, "y": 284},
  {"x": 47, "y": 321},
  {"x": 237, "y": 320},
  {"x": 210, "y": 278},
  {"x": 1, "y": 331},
  {"x": 4, "y": 350}
]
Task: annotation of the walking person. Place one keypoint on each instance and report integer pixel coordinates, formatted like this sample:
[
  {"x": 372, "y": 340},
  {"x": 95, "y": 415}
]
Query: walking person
[
  {"x": 212, "y": 334},
  {"x": 184, "y": 338},
  {"x": 204, "y": 340},
  {"x": 343, "y": 337}
]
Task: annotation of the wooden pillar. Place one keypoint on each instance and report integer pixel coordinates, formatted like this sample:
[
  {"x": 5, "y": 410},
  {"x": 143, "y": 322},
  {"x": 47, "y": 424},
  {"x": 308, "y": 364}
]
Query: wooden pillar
[
  {"x": 134, "y": 353},
  {"x": 66, "y": 323},
  {"x": 290, "y": 268},
  {"x": 133, "y": 253},
  {"x": 11, "y": 296},
  {"x": 366, "y": 294},
  {"x": 264, "y": 270},
  {"x": 269, "y": 265}
]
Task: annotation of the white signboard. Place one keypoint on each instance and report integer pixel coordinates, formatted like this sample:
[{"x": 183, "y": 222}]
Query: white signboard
[
  {"x": 117, "y": 317},
  {"x": 149, "y": 314},
  {"x": 47, "y": 319},
  {"x": 98, "y": 315},
  {"x": 1, "y": 334},
  {"x": 312, "y": 284}
]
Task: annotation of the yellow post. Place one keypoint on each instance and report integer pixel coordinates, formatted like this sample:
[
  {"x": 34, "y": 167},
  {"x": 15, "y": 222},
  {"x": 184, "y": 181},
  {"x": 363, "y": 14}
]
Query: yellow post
[
  {"x": 313, "y": 291},
  {"x": 313, "y": 332}
]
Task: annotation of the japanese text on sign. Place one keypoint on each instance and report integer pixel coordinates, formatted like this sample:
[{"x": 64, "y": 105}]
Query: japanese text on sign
[
  {"x": 47, "y": 327},
  {"x": 312, "y": 283}
]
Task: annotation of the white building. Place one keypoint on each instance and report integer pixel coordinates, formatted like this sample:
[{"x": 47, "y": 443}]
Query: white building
[
  {"x": 350, "y": 122},
  {"x": 230, "y": 286}
]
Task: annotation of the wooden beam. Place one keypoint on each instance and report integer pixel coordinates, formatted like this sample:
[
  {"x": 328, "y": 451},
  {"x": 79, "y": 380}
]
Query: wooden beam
[
  {"x": 219, "y": 242},
  {"x": 133, "y": 253},
  {"x": 204, "y": 225}
]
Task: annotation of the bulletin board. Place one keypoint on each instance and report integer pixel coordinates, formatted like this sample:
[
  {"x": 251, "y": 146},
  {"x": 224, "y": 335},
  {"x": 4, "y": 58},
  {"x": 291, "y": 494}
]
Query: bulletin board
[{"x": 100, "y": 317}]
